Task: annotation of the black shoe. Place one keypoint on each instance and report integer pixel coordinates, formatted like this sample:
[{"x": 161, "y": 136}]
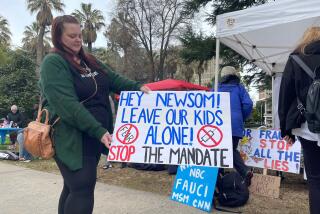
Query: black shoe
[{"x": 248, "y": 178}]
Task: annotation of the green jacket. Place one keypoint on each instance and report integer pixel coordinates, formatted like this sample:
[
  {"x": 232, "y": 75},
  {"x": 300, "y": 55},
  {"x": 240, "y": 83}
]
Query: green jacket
[{"x": 56, "y": 84}]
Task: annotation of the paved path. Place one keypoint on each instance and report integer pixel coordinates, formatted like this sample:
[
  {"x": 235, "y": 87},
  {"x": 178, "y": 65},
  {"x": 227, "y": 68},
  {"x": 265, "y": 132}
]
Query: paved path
[{"x": 26, "y": 191}]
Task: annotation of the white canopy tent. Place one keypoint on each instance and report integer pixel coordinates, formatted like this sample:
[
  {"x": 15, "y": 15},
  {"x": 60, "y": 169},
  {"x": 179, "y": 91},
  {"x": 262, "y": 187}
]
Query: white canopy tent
[{"x": 267, "y": 34}]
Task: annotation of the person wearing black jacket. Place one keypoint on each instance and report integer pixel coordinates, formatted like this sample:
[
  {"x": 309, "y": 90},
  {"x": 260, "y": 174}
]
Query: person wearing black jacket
[
  {"x": 16, "y": 119},
  {"x": 294, "y": 85}
]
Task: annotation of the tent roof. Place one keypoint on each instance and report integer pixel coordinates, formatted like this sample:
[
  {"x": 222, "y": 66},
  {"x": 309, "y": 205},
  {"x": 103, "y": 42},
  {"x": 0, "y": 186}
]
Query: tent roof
[
  {"x": 173, "y": 85},
  {"x": 266, "y": 34},
  {"x": 176, "y": 85}
]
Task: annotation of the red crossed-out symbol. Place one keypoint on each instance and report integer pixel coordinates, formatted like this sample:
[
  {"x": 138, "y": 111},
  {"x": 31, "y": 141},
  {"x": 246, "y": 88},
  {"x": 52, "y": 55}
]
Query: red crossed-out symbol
[
  {"x": 127, "y": 134},
  {"x": 209, "y": 136}
]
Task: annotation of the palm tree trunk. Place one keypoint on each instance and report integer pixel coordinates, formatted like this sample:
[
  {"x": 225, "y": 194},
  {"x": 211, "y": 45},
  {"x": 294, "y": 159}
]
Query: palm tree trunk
[
  {"x": 39, "y": 51},
  {"x": 90, "y": 46}
]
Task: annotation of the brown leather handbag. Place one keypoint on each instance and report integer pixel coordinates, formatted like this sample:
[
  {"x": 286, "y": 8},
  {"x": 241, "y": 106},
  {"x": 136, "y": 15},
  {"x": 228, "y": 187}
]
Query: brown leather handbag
[{"x": 37, "y": 137}]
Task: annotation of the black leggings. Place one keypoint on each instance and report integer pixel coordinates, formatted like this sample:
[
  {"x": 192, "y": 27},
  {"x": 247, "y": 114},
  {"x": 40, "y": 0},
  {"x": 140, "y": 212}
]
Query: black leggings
[
  {"x": 77, "y": 195},
  {"x": 311, "y": 154}
]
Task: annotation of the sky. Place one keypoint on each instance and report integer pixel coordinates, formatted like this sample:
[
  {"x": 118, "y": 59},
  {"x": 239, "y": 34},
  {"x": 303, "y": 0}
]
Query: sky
[
  {"x": 15, "y": 11},
  {"x": 18, "y": 16}
]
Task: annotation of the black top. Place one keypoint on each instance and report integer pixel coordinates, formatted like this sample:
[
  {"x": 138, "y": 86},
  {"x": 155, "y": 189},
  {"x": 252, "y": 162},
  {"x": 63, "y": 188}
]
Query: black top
[
  {"x": 16, "y": 118},
  {"x": 96, "y": 105},
  {"x": 295, "y": 83}
]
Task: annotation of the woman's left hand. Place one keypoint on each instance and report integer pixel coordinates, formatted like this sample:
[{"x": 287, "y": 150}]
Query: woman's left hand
[{"x": 145, "y": 89}]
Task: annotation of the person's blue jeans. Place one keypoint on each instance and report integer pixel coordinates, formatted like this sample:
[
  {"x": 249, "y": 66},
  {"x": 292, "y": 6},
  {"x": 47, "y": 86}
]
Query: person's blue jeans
[{"x": 23, "y": 153}]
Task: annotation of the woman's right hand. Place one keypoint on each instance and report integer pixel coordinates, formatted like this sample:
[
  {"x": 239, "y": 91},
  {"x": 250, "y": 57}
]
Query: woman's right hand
[
  {"x": 106, "y": 139},
  {"x": 289, "y": 140}
]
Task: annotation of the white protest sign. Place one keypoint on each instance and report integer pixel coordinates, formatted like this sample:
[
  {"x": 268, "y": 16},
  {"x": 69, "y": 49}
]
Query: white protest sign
[
  {"x": 266, "y": 149},
  {"x": 170, "y": 127}
]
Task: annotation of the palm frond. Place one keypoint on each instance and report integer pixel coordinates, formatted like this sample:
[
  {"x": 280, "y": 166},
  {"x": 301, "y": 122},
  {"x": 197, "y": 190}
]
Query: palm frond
[{"x": 91, "y": 20}]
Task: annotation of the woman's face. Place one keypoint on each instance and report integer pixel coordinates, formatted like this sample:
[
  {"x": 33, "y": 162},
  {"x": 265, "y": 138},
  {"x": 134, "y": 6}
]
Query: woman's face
[{"x": 71, "y": 37}]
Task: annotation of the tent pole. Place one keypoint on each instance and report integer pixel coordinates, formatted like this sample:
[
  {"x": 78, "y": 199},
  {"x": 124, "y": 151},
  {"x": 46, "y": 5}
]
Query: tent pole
[
  {"x": 272, "y": 101},
  {"x": 216, "y": 70}
]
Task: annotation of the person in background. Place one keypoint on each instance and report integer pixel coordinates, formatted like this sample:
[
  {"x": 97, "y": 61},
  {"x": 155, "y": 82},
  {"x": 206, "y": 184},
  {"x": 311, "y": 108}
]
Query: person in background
[
  {"x": 24, "y": 155},
  {"x": 75, "y": 86},
  {"x": 295, "y": 83},
  {"x": 15, "y": 119},
  {"x": 241, "y": 107}
]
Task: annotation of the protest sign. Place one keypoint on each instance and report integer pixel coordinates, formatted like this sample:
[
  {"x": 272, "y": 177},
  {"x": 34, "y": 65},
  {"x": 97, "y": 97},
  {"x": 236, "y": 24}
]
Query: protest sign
[
  {"x": 170, "y": 127},
  {"x": 265, "y": 185},
  {"x": 194, "y": 186},
  {"x": 266, "y": 149}
]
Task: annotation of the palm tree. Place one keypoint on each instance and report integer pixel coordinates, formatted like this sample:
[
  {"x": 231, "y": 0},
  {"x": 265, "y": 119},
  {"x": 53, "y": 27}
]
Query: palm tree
[
  {"x": 30, "y": 39},
  {"x": 92, "y": 20},
  {"x": 44, "y": 18},
  {"x": 4, "y": 32}
]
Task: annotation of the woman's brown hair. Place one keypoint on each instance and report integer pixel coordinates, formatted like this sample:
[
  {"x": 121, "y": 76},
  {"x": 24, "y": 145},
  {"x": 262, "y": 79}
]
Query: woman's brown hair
[
  {"x": 56, "y": 34},
  {"x": 312, "y": 34}
]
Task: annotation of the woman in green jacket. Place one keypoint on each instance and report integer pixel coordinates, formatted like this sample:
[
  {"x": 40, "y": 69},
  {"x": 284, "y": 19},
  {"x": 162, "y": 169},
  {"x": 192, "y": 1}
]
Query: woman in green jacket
[{"x": 76, "y": 86}]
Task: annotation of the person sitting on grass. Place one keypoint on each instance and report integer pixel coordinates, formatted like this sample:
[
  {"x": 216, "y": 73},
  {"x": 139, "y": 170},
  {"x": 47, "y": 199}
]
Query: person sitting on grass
[{"x": 15, "y": 119}]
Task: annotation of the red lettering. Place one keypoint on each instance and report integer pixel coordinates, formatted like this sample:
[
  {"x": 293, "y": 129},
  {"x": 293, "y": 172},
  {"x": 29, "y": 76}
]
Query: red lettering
[
  {"x": 125, "y": 152},
  {"x": 272, "y": 143},
  {"x": 277, "y": 165},
  {"x": 111, "y": 155},
  {"x": 274, "y": 164},
  {"x": 285, "y": 166},
  {"x": 120, "y": 152},
  {"x": 263, "y": 143},
  {"x": 132, "y": 150},
  {"x": 288, "y": 146},
  {"x": 281, "y": 145}
]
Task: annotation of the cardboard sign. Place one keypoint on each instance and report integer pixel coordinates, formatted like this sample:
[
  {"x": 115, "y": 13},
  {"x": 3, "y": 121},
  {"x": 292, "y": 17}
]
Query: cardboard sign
[
  {"x": 265, "y": 185},
  {"x": 195, "y": 186},
  {"x": 266, "y": 149},
  {"x": 170, "y": 127}
]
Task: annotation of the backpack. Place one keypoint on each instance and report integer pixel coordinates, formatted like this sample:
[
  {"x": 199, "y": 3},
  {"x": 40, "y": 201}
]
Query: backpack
[
  {"x": 232, "y": 190},
  {"x": 312, "y": 109}
]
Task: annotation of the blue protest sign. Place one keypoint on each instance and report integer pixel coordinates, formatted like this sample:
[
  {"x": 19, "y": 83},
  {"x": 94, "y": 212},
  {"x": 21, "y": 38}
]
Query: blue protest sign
[{"x": 194, "y": 186}]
